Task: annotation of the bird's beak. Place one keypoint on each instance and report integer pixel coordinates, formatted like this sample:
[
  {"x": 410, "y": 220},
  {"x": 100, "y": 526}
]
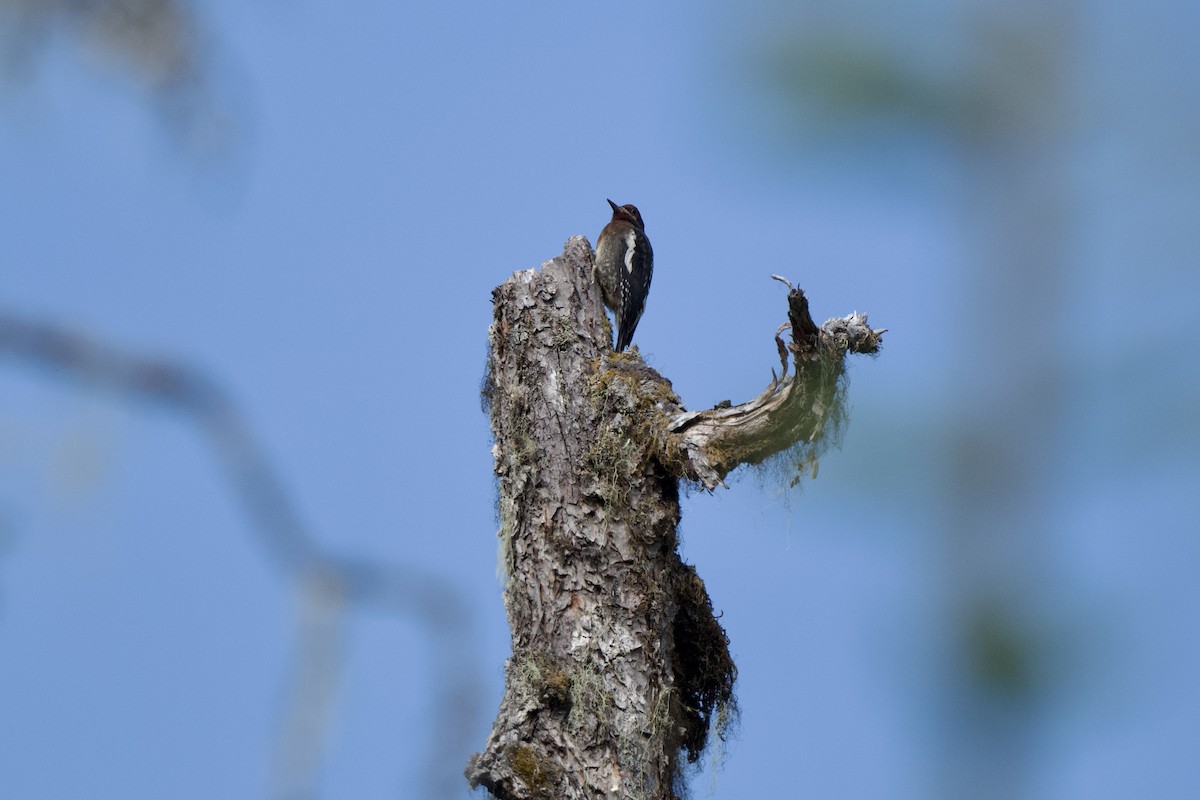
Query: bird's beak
[{"x": 616, "y": 208}]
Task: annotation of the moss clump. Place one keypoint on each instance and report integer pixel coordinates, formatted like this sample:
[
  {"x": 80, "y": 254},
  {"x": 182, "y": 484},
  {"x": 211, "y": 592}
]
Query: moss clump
[
  {"x": 704, "y": 670},
  {"x": 541, "y": 676},
  {"x": 824, "y": 386},
  {"x": 556, "y": 689},
  {"x": 633, "y": 404},
  {"x": 540, "y": 775},
  {"x": 610, "y": 458}
]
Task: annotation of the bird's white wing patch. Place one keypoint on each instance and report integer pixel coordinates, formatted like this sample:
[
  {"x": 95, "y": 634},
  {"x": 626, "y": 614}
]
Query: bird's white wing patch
[{"x": 630, "y": 248}]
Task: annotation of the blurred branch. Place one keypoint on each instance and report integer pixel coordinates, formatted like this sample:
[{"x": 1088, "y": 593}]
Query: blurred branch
[
  {"x": 328, "y": 581},
  {"x": 160, "y": 45}
]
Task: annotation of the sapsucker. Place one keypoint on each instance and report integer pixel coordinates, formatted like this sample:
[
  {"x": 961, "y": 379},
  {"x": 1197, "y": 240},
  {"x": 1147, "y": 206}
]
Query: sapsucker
[{"x": 624, "y": 264}]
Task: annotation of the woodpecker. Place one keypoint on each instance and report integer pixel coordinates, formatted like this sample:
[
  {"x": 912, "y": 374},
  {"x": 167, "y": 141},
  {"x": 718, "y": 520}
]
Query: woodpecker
[{"x": 624, "y": 264}]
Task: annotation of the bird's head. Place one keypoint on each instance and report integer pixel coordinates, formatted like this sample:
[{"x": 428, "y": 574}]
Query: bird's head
[{"x": 628, "y": 212}]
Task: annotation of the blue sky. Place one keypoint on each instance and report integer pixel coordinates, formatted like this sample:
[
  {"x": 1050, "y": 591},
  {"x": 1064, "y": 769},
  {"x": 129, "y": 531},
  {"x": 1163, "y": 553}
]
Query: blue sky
[{"x": 332, "y": 266}]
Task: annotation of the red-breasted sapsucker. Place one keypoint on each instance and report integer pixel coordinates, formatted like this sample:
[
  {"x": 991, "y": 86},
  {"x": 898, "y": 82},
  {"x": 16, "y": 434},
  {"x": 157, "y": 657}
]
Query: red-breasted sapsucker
[{"x": 624, "y": 264}]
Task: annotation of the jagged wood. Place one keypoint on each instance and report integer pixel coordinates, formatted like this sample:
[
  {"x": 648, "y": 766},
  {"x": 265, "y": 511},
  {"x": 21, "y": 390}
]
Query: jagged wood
[{"x": 618, "y": 664}]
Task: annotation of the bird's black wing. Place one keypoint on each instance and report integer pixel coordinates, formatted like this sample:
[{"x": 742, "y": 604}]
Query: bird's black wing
[{"x": 635, "y": 286}]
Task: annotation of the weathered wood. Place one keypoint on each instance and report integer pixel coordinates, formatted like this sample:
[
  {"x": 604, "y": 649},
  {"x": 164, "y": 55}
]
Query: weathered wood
[
  {"x": 798, "y": 412},
  {"x": 618, "y": 663}
]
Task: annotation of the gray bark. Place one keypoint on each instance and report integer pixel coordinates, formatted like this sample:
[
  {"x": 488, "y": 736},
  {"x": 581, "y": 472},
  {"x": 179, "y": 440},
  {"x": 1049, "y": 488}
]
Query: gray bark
[{"x": 619, "y": 666}]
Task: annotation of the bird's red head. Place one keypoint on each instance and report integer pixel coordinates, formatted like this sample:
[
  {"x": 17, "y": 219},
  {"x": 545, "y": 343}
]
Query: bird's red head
[{"x": 628, "y": 213}]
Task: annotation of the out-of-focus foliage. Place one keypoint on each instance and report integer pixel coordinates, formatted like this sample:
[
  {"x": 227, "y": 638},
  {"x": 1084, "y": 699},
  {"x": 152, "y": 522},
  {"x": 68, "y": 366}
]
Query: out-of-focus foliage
[
  {"x": 161, "y": 46},
  {"x": 850, "y": 78},
  {"x": 1014, "y": 102}
]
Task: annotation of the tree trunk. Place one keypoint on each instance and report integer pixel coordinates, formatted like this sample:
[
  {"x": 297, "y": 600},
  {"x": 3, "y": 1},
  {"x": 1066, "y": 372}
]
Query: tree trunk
[{"x": 618, "y": 663}]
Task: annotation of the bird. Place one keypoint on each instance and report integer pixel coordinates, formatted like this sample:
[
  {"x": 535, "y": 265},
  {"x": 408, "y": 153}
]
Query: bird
[{"x": 623, "y": 267}]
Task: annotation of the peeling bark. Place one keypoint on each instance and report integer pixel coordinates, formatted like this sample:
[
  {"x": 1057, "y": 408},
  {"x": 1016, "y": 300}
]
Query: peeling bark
[{"x": 619, "y": 666}]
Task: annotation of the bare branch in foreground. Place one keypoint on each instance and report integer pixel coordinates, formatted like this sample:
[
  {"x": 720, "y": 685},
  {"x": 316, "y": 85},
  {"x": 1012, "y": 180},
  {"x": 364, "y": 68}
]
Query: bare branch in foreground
[{"x": 327, "y": 582}]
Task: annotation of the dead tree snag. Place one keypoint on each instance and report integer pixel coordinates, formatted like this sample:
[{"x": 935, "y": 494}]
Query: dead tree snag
[{"x": 619, "y": 666}]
